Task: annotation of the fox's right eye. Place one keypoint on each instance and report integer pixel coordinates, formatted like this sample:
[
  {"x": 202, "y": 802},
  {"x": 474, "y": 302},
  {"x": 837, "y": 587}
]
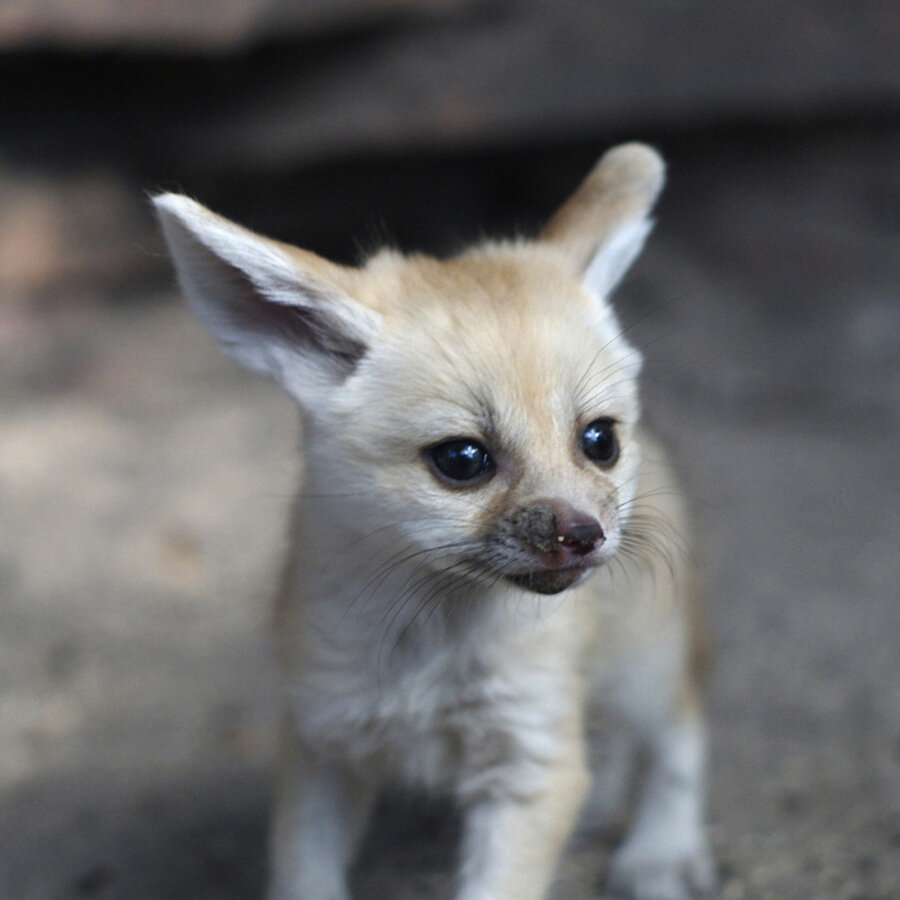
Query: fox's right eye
[{"x": 462, "y": 459}]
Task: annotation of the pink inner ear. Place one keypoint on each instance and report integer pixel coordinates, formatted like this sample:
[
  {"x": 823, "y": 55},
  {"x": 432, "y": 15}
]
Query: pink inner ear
[{"x": 302, "y": 327}]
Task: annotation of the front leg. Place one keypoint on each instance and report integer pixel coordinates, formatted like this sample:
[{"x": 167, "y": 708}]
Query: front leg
[
  {"x": 321, "y": 809},
  {"x": 665, "y": 855},
  {"x": 511, "y": 844}
]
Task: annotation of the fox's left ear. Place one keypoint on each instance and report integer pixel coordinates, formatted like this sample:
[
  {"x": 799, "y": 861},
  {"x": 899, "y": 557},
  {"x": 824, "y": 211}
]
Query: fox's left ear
[{"x": 602, "y": 227}]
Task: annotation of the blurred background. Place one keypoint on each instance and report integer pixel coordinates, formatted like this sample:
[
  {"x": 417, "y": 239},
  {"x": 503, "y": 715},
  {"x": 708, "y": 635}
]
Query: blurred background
[{"x": 144, "y": 479}]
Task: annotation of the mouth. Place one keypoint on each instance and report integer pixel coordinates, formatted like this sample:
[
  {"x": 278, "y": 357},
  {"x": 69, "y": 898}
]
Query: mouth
[{"x": 550, "y": 581}]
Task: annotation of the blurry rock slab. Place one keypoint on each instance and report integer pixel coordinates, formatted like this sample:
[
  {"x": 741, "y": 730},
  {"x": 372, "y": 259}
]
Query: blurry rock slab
[
  {"x": 501, "y": 72},
  {"x": 280, "y": 84},
  {"x": 219, "y": 24}
]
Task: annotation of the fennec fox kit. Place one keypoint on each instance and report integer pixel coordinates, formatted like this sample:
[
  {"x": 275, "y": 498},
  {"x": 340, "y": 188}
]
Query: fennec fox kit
[{"x": 471, "y": 447}]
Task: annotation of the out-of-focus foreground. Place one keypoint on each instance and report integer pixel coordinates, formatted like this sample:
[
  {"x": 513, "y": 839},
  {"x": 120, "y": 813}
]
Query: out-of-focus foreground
[{"x": 144, "y": 479}]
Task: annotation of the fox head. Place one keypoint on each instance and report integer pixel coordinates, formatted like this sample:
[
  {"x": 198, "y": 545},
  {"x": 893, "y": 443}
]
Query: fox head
[{"x": 484, "y": 406}]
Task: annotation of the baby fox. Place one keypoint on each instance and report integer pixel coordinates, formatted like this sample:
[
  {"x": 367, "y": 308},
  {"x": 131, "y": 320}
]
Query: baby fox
[{"x": 471, "y": 447}]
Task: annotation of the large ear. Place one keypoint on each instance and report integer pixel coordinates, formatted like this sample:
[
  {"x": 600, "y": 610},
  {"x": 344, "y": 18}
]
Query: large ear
[
  {"x": 602, "y": 227},
  {"x": 275, "y": 309}
]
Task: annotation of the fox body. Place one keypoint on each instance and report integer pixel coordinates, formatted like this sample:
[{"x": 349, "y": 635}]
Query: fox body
[{"x": 486, "y": 549}]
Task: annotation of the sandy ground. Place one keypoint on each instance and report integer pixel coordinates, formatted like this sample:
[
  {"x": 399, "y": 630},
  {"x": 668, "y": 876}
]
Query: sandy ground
[{"x": 143, "y": 485}]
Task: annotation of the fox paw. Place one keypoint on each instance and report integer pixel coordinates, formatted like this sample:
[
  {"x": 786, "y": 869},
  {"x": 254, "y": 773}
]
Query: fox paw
[{"x": 642, "y": 873}]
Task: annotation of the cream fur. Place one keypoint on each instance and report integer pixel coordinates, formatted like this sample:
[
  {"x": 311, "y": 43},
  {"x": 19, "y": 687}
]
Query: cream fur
[{"x": 406, "y": 654}]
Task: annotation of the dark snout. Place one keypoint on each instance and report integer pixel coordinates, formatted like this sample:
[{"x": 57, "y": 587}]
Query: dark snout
[
  {"x": 556, "y": 531},
  {"x": 560, "y": 538}
]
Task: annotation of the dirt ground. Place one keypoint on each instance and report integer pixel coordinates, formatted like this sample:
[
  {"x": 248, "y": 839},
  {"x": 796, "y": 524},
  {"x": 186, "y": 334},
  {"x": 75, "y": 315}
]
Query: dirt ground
[{"x": 144, "y": 481}]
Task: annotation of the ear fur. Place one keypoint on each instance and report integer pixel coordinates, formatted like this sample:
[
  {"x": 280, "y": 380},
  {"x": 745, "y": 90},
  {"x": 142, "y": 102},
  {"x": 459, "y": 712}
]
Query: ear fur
[
  {"x": 277, "y": 310},
  {"x": 602, "y": 227}
]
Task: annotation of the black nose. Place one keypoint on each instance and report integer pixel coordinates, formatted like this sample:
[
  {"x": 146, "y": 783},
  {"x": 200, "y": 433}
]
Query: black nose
[{"x": 579, "y": 538}]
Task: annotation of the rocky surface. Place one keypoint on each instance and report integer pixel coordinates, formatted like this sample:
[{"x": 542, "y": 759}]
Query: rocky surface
[{"x": 143, "y": 484}]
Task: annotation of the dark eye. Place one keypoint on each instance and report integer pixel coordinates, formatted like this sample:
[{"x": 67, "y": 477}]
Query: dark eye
[
  {"x": 461, "y": 460},
  {"x": 600, "y": 443}
]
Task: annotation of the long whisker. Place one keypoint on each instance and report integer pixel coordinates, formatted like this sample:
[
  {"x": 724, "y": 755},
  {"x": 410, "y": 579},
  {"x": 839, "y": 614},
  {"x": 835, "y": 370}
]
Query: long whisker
[
  {"x": 402, "y": 557},
  {"x": 418, "y": 586}
]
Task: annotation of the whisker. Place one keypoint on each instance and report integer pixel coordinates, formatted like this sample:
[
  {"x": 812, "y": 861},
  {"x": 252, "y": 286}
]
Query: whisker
[{"x": 401, "y": 558}]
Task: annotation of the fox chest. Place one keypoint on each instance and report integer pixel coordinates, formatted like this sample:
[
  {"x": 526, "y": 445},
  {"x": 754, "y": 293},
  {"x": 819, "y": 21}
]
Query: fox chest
[{"x": 432, "y": 726}]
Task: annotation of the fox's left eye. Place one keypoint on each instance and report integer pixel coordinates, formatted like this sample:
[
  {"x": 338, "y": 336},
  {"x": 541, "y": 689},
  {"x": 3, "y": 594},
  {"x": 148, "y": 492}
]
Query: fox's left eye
[
  {"x": 461, "y": 460},
  {"x": 600, "y": 443}
]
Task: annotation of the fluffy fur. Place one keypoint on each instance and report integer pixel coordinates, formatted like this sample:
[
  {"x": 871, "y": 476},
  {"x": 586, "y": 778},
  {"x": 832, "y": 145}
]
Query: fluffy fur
[{"x": 418, "y": 640}]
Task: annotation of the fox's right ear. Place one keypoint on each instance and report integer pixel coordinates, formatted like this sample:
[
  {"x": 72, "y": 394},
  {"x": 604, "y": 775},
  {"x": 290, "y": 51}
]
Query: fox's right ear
[{"x": 277, "y": 310}]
